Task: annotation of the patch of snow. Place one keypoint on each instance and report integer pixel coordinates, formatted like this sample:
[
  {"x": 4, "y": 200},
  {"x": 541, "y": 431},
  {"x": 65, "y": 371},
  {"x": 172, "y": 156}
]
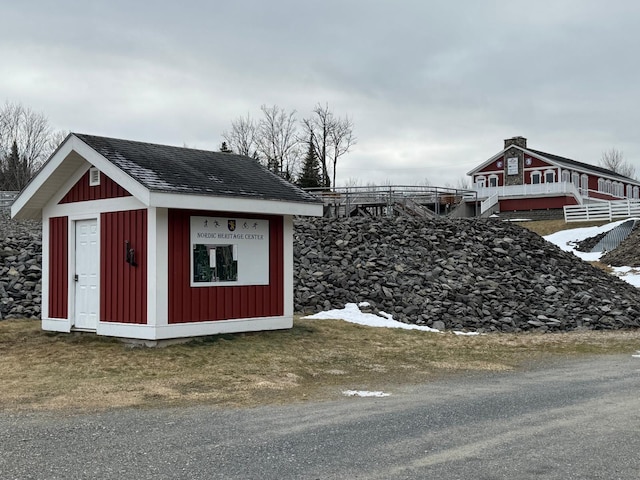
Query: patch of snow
[
  {"x": 364, "y": 393},
  {"x": 352, "y": 314},
  {"x": 568, "y": 240}
]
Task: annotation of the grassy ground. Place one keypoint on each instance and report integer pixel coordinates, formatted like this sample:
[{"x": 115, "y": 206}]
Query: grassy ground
[
  {"x": 547, "y": 227},
  {"x": 314, "y": 360}
]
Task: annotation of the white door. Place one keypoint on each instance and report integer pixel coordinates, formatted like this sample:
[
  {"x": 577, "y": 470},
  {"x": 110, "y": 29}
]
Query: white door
[{"x": 87, "y": 301}]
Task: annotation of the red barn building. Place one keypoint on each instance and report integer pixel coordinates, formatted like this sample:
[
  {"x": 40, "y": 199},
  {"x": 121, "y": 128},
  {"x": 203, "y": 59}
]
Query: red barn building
[
  {"x": 519, "y": 178},
  {"x": 155, "y": 242}
]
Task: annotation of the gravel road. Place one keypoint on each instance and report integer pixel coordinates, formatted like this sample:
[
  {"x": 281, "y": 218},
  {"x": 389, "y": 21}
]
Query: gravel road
[{"x": 564, "y": 420}]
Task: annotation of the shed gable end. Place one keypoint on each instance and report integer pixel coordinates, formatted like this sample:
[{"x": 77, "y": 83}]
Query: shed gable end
[{"x": 86, "y": 189}]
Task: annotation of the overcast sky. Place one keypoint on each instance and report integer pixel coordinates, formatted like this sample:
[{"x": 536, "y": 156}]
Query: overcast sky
[{"x": 433, "y": 87}]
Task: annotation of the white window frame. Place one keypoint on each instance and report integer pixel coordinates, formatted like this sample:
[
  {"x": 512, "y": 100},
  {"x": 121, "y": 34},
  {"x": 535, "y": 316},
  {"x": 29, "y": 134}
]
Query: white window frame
[
  {"x": 481, "y": 181},
  {"x": 94, "y": 177},
  {"x": 566, "y": 176},
  {"x": 575, "y": 178},
  {"x": 536, "y": 173},
  {"x": 584, "y": 184},
  {"x": 553, "y": 176},
  {"x": 494, "y": 179}
]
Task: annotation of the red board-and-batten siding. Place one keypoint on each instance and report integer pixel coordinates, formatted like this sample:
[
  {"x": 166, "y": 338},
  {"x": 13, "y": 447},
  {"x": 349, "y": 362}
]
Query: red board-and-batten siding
[
  {"x": 123, "y": 287},
  {"x": 58, "y": 267},
  {"x": 198, "y": 304},
  {"x": 82, "y": 191}
]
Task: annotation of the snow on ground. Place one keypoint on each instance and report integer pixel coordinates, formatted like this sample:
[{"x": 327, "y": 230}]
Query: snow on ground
[
  {"x": 364, "y": 393},
  {"x": 567, "y": 240},
  {"x": 351, "y": 313}
]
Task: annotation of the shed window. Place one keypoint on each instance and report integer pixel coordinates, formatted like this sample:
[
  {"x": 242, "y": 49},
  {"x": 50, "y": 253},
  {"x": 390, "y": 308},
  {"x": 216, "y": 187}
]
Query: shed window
[{"x": 94, "y": 177}]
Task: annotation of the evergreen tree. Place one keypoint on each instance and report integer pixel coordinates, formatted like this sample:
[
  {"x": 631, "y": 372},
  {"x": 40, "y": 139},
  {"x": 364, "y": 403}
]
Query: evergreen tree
[
  {"x": 14, "y": 171},
  {"x": 310, "y": 176}
]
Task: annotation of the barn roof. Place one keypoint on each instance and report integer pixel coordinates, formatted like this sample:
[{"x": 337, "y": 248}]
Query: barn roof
[
  {"x": 167, "y": 176},
  {"x": 567, "y": 162}
]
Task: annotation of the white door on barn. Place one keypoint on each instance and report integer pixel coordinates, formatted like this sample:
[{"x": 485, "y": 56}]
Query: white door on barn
[{"x": 87, "y": 301}]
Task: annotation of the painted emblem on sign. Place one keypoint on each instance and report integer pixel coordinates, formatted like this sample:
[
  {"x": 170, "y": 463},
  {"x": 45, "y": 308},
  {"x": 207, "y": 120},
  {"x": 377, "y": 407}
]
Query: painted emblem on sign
[{"x": 232, "y": 225}]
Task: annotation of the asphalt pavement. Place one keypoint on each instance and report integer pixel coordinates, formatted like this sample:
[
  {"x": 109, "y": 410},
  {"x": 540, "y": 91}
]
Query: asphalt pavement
[{"x": 574, "y": 419}]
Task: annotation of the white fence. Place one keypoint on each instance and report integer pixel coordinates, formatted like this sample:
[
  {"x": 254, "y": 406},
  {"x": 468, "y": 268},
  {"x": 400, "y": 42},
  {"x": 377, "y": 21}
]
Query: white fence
[
  {"x": 566, "y": 188},
  {"x": 604, "y": 211},
  {"x": 489, "y": 203}
]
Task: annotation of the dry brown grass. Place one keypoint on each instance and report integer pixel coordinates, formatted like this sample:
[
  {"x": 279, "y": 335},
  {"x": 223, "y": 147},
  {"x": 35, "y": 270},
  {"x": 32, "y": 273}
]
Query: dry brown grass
[
  {"x": 547, "y": 227},
  {"x": 314, "y": 360}
]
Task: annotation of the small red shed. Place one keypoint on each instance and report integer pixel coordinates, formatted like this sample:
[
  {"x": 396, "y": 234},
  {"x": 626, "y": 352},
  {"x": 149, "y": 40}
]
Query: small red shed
[{"x": 154, "y": 242}]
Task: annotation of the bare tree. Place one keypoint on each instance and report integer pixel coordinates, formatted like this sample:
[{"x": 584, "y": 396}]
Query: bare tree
[
  {"x": 342, "y": 139},
  {"x": 333, "y": 137},
  {"x": 613, "y": 160},
  {"x": 26, "y": 141},
  {"x": 277, "y": 141},
  {"x": 243, "y": 137}
]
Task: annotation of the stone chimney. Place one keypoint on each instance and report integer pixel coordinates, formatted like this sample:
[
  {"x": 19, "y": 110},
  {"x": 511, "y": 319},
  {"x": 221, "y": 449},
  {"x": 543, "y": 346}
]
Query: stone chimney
[{"x": 517, "y": 141}]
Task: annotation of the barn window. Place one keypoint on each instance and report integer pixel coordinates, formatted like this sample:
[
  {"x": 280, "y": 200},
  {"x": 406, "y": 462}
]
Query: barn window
[
  {"x": 607, "y": 186},
  {"x": 636, "y": 192},
  {"x": 493, "y": 180},
  {"x": 575, "y": 178},
  {"x": 549, "y": 176},
  {"x": 94, "y": 177},
  {"x": 536, "y": 177},
  {"x": 584, "y": 184},
  {"x": 601, "y": 185},
  {"x": 566, "y": 176},
  {"x": 481, "y": 182}
]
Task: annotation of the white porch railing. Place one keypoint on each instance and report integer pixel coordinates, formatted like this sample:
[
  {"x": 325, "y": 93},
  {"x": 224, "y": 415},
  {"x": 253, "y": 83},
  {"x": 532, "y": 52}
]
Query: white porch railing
[
  {"x": 567, "y": 188},
  {"x": 605, "y": 211},
  {"x": 489, "y": 203}
]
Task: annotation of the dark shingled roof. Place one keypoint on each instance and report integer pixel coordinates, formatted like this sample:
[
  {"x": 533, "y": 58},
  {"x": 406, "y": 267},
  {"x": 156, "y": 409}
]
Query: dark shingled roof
[
  {"x": 567, "y": 162},
  {"x": 163, "y": 168}
]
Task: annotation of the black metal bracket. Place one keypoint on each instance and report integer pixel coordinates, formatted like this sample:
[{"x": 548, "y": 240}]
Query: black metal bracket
[{"x": 129, "y": 254}]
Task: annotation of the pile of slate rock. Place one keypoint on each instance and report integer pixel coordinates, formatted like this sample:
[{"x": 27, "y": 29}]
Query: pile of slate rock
[
  {"x": 20, "y": 268},
  {"x": 464, "y": 274}
]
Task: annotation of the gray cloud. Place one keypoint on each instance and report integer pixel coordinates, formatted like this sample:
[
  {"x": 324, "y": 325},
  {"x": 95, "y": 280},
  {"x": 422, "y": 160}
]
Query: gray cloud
[{"x": 432, "y": 86}]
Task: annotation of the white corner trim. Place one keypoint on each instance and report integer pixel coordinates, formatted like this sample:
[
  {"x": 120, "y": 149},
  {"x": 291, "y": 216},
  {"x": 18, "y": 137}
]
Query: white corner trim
[{"x": 56, "y": 325}]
